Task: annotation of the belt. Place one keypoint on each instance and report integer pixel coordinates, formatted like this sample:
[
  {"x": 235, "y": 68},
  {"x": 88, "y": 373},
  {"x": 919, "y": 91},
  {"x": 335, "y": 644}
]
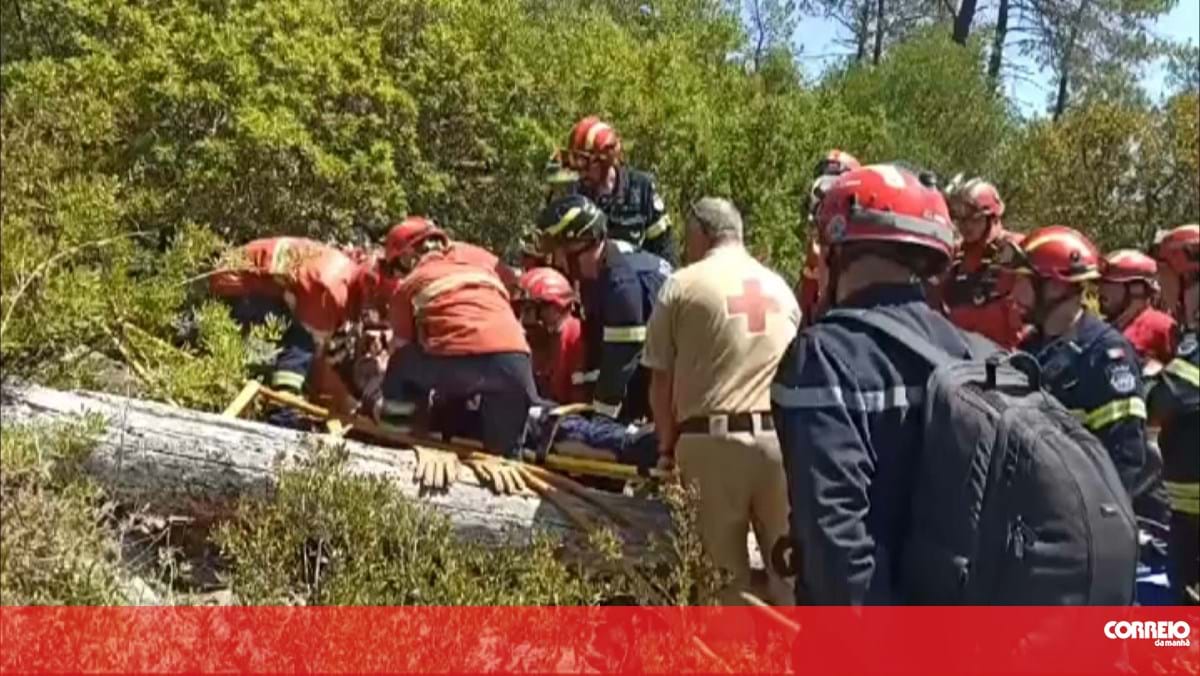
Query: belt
[{"x": 722, "y": 423}]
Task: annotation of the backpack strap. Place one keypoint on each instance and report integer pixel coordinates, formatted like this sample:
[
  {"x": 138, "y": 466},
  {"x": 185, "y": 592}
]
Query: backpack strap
[
  {"x": 917, "y": 344},
  {"x": 977, "y": 347}
]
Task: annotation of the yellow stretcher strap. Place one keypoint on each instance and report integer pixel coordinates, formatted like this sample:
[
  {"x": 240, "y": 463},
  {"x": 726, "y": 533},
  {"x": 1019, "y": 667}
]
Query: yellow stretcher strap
[{"x": 368, "y": 427}]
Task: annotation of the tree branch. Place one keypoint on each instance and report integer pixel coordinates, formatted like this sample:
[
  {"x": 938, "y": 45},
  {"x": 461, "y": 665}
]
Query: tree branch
[{"x": 41, "y": 270}]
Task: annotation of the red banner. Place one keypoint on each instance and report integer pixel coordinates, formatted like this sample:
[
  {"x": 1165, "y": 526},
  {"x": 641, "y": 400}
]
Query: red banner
[{"x": 663, "y": 640}]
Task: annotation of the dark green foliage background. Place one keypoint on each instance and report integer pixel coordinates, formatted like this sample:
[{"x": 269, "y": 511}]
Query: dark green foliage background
[{"x": 140, "y": 137}]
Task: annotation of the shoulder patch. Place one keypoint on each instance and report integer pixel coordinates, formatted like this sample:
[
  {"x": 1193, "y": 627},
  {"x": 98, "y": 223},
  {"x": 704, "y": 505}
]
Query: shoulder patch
[
  {"x": 1187, "y": 346},
  {"x": 1121, "y": 378},
  {"x": 658, "y": 203}
]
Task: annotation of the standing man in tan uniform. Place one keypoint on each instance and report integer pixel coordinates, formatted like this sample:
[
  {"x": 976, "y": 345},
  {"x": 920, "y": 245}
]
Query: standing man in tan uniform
[{"x": 713, "y": 342}]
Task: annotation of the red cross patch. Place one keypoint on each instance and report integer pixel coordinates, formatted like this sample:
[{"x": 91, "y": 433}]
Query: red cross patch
[{"x": 753, "y": 304}]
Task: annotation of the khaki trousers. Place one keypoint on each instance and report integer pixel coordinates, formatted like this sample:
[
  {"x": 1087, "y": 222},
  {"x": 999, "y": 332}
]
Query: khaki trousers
[{"x": 742, "y": 484}]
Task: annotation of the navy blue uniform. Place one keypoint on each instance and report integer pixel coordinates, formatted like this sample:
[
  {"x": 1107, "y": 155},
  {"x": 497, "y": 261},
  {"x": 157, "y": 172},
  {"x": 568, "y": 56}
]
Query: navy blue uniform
[
  {"x": 503, "y": 382},
  {"x": 294, "y": 359},
  {"x": 616, "y": 307},
  {"x": 846, "y": 404},
  {"x": 636, "y": 214},
  {"x": 1095, "y": 374},
  {"x": 1175, "y": 404}
]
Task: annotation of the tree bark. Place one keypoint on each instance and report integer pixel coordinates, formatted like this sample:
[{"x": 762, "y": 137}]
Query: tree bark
[
  {"x": 1064, "y": 77},
  {"x": 1064, "y": 72},
  {"x": 963, "y": 20},
  {"x": 178, "y": 461},
  {"x": 863, "y": 32},
  {"x": 878, "y": 32},
  {"x": 995, "y": 60}
]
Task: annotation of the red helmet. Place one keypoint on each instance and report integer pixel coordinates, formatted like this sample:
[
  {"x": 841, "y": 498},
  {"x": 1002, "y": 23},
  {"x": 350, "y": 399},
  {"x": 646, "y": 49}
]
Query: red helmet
[
  {"x": 404, "y": 238},
  {"x": 836, "y": 162},
  {"x": 1058, "y": 252},
  {"x": 592, "y": 138},
  {"x": 975, "y": 197},
  {"x": 546, "y": 285},
  {"x": 1129, "y": 265},
  {"x": 1179, "y": 249},
  {"x": 883, "y": 203}
]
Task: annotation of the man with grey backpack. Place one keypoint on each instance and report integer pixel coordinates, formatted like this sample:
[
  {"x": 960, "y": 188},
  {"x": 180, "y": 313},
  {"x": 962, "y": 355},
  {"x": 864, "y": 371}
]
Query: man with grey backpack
[{"x": 925, "y": 465}]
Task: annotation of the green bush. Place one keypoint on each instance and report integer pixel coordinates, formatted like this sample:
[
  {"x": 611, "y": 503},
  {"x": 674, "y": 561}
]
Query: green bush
[
  {"x": 138, "y": 139},
  {"x": 56, "y": 546},
  {"x": 330, "y": 538}
]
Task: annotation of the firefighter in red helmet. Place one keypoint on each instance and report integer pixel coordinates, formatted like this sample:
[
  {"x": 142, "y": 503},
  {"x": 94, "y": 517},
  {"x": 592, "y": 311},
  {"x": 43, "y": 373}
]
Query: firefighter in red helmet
[
  {"x": 546, "y": 304},
  {"x": 629, "y": 198},
  {"x": 1174, "y": 404},
  {"x": 1128, "y": 288},
  {"x": 1087, "y": 364},
  {"x": 455, "y": 336},
  {"x": 976, "y": 290},
  {"x": 814, "y": 276}
]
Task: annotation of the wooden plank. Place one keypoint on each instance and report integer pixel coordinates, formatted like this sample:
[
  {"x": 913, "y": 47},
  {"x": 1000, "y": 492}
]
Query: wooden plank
[{"x": 242, "y": 400}]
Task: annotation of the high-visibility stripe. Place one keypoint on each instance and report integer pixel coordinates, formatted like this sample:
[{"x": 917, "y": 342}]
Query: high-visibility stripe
[
  {"x": 624, "y": 334},
  {"x": 563, "y": 222},
  {"x": 279, "y": 256},
  {"x": 1184, "y": 369},
  {"x": 392, "y": 407},
  {"x": 1185, "y": 497},
  {"x": 454, "y": 281},
  {"x": 610, "y": 410},
  {"x": 1114, "y": 411},
  {"x": 395, "y": 428},
  {"x": 869, "y": 401},
  {"x": 339, "y": 266},
  {"x": 585, "y": 377},
  {"x": 659, "y": 227},
  {"x": 288, "y": 379},
  {"x": 595, "y": 130}
]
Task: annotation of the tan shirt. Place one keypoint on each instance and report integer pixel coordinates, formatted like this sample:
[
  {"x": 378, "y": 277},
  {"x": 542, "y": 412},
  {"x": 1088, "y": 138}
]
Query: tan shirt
[{"x": 721, "y": 325}]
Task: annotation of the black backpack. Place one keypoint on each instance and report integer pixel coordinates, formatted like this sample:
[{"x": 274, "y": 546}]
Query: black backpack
[{"x": 1014, "y": 501}]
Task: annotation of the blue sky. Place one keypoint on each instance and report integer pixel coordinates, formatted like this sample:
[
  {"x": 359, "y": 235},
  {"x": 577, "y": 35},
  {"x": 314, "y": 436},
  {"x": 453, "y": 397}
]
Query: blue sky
[{"x": 816, "y": 36}]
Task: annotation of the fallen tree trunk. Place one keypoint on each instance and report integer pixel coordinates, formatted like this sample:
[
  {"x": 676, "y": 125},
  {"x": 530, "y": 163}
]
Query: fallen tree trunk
[{"x": 178, "y": 461}]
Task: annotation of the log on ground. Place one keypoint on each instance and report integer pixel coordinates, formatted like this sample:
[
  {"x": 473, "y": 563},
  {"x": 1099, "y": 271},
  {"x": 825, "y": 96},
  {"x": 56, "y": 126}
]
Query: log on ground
[{"x": 179, "y": 461}]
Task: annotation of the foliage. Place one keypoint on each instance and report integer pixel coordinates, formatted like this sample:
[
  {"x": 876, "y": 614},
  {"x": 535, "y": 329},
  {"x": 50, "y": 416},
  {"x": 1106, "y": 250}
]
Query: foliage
[
  {"x": 921, "y": 86},
  {"x": 330, "y": 538},
  {"x": 1116, "y": 172},
  {"x": 55, "y": 546},
  {"x": 141, "y": 138}
]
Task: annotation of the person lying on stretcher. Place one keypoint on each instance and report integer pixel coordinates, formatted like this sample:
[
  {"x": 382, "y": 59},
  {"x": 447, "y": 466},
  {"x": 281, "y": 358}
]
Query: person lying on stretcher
[{"x": 564, "y": 430}]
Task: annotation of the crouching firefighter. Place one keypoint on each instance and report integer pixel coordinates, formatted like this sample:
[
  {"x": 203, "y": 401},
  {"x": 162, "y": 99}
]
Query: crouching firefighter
[
  {"x": 546, "y": 303},
  {"x": 1175, "y": 405},
  {"x": 314, "y": 286},
  {"x": 455, "y": 335}
]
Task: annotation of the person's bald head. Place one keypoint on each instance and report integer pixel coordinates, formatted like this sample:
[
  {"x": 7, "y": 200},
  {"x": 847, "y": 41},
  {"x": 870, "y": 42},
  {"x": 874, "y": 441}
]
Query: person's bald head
[{"x": 712, "y": 222}]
